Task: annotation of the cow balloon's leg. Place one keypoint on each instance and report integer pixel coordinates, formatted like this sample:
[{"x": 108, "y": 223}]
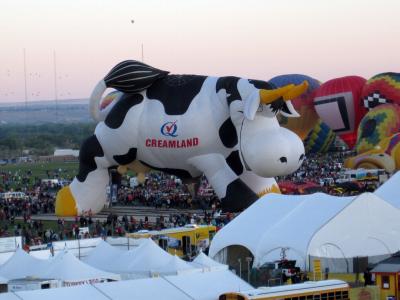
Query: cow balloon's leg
[
  {"x": 259, "y": 185},
  {"x": 234, "y": 194},
  {"x": 87, "y": 192}
]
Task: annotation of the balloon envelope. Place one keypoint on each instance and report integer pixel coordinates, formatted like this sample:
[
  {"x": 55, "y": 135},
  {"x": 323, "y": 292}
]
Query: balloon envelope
[
  {"x": 338, "y": 103},
  {"x": 379, "y": 123},
  {"x": 381, "y": 89},
  {"x": 303, "y": 104},
  {"x": 320, "y": 138}
]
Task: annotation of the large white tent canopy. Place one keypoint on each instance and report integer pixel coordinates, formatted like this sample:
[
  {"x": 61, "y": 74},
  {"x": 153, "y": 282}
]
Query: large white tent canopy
[
  {"x": 200, "y": 286},
  {"x": 21, "y": 265},
  {"x": 66, "y": 267},
  {"x": 103, "y": 256},
  {"x": 174, "y": 265},
  {"x": 204, "y": 261},
  {"x": 390, "y": 190},
  {"x": 148, "y": 256},
  {"x": 312, "y": 225}
]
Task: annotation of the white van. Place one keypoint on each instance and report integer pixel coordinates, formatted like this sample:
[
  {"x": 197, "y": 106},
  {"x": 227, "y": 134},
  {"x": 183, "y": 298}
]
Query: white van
[{"x": 13, "y": 195}]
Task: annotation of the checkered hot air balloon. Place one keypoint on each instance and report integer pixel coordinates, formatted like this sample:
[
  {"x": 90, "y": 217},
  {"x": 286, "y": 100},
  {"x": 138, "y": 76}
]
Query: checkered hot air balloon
[{"x": 381, "y": 89}]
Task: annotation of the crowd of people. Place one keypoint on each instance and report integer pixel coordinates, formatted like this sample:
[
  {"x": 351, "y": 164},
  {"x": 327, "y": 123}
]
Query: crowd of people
[
  {"x": 326, "y": 171},
  {"x": 163, "y": 190},
  {"x": 158, "y": 191}
]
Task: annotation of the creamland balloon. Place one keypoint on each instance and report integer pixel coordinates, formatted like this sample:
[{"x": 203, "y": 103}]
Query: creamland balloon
[{"x": 186, "y": 125}]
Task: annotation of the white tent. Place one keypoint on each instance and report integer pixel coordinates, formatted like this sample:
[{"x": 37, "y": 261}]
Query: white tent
[
  {"x": 148, "y": 256},
  {"x": 199, "y": 286},
  {"x": 77, "y": 292},
  {"x": 66, "y": 267},
  {"x": 103, "y": 256},
  {"x": 148, "y": 288},
  {"x": 79, "y": 247},
  {"x": 204, "y": 261},
  {"x": 110, "y": 258},
  {"x": 118, "y": 264},
  {"x": 175, "y": 265},
  {"x": 21, "y": 265},
  {"x": 208, "y": 285},
  {"x": 125, "y": 243},
  {"x": 390, "y": 191},
  {"x": 312, "y": 225}
]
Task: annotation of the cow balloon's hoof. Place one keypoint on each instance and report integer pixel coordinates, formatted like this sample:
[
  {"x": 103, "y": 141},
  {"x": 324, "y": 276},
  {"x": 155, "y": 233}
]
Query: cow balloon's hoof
[{"x": 65, "y": 203}]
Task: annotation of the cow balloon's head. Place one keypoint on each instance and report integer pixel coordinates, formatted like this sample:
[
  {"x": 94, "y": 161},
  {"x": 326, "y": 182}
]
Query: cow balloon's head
[{"x": 266, "y": 148}]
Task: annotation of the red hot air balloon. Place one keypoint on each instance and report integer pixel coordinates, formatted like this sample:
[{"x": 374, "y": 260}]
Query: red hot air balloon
[{"x": 338, "y": 103}]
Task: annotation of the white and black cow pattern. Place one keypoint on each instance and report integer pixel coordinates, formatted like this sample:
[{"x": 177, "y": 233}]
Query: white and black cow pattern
[{"x": 187, "y": 125}]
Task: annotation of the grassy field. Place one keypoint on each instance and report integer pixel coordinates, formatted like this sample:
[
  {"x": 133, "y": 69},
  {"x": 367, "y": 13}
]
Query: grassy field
[
  {"x": 39, "y": 169},
  {"x": 42, "y": 170},
  {"x": 46, "y": 225}
]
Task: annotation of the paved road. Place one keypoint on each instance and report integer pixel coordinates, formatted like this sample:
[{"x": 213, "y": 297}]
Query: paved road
[{"x": 138, "y": 212}]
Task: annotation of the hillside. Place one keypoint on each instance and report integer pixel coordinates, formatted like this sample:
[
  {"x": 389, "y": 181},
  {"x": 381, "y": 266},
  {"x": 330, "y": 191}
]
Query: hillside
[{"x": 40, "y": 112}]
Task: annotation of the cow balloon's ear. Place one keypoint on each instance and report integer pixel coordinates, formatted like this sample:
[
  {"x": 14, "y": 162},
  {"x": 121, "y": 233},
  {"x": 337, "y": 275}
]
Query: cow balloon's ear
[{"x": 251, "y": 104}]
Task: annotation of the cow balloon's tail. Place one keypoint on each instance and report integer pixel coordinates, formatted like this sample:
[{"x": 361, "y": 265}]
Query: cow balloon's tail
[{"x": 130, "y": 77}]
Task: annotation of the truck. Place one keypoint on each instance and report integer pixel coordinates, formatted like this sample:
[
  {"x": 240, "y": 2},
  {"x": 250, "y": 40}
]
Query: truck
[{"x": 182, "y": 241}]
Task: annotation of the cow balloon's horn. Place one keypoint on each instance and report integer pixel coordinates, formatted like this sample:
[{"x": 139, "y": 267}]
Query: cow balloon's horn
[
  {"x": 269, "y": 96},
  {"x": 296, "y": 91}
]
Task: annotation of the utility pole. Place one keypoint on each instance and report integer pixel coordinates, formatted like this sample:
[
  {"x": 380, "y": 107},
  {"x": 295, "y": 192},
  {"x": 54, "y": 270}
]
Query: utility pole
[
  {"x": 55, "y": 83},
  {"x": 25, "y": 83}
]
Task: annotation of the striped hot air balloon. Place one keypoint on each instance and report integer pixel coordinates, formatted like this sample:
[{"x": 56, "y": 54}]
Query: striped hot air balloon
[{"x": 320, "y": 139}]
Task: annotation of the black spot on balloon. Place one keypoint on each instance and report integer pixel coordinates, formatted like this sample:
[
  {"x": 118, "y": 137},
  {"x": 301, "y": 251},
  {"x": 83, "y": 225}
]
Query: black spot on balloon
[
  {"x": 227, "y": 134},
  {"x": 90, "y": 149},
  {"x": 127, "y": 158},
  {"x": 117, "y": 115},
  {"x": 176, "y": 92},
  {"x": 238, "y": 197},
  {"x": 233, "y": 161},
  {"x": 229, "y": 84}
]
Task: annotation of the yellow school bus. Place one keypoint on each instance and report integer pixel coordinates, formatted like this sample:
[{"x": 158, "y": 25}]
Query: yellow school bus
[
  {"x": 311, "y": 290},
  {"x": 182, "y": 241}
]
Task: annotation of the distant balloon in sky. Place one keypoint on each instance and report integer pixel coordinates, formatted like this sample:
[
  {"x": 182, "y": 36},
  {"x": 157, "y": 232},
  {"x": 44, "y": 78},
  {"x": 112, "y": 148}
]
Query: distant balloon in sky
[
  {"x": 380, "y": 89},
  {"x": 303, "y": 104},
  {"x": 338, "y": 103}
]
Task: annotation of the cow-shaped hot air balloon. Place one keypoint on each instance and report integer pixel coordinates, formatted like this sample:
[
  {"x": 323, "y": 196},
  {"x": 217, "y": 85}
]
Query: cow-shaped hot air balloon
[{"x": 186, "y": 125}]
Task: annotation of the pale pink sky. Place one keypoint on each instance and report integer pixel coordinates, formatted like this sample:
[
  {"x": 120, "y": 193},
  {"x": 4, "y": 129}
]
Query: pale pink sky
[{"x": 249, "y": 38}]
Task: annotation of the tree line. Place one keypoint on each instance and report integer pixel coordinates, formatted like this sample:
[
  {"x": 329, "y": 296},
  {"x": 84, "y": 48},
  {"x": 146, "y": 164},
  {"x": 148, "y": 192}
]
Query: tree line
[{"x": 41, "y": 139}]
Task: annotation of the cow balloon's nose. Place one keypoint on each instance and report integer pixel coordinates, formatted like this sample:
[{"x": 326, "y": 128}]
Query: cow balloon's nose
[{"x": 283, "y": 159}]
